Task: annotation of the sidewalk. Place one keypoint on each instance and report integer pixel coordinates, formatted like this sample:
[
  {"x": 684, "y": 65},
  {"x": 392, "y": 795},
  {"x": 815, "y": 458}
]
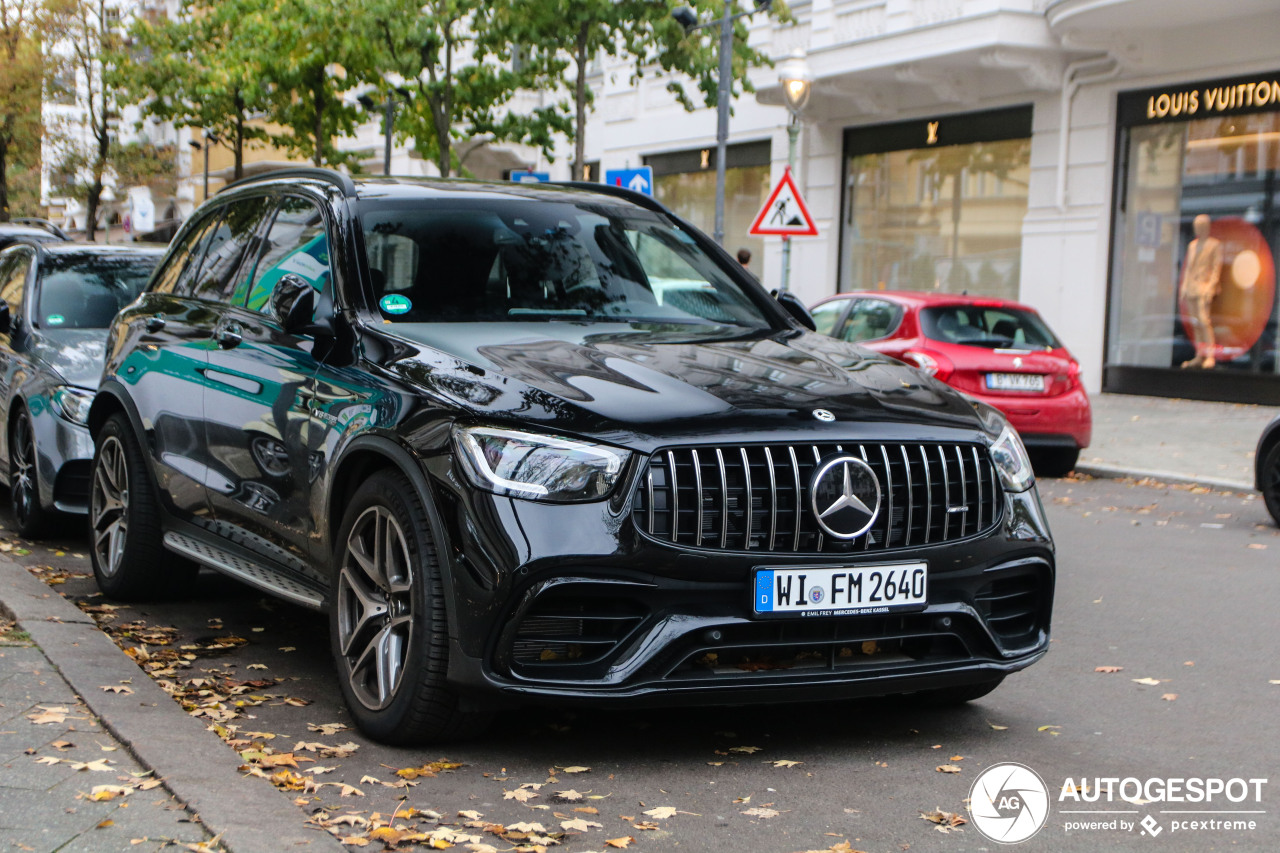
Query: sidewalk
[{"x": 1175, "y": 441}]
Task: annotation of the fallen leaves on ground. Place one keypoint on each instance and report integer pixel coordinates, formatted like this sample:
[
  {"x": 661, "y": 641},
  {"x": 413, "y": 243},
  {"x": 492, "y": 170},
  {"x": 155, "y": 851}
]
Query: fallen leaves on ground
[
  {"x": 997, "y": 728},
  {"x": 327, "y": 729},
  {"x": 574, "y": 768},
  {"x": 762, "y": 812},
  {"x": 621, "y": 843},
  {"x": 946, "y": 821},
  {"x": 745, "y": 750},
  {"x": 662, "y": 812},
  {"x": 430, "y": 770},
  {"x": 117, "y": 688},
  {"x": 786, "y": 763},
  {"x": 1169, "y": 697},
  {"x": 1108, "y": 668},
  {"x": 578, "y": 824},
  {"x": 839, "y": 847},
  {"x": 1053, "y": 730},
  {"x": 1150, "y": 682},
  {"x": 103, "y": 793},
  {"x": 947, "y": 768},
  {"x": 520, "y": 795},
  {"x": 49, "y": 714}
]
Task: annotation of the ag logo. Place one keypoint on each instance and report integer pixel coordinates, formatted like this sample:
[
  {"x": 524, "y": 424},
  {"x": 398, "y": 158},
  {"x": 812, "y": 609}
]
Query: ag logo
[{"x": 1009, "y": 803}]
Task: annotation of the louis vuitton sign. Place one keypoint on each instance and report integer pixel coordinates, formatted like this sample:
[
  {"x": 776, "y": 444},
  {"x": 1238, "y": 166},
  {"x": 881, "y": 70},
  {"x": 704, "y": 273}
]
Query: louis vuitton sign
[{"x": 1221, "y": 97}]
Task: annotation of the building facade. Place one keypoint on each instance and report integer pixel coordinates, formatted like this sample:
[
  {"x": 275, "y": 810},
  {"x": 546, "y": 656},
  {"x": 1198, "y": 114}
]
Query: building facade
[{"x": 1053, "y": 151}]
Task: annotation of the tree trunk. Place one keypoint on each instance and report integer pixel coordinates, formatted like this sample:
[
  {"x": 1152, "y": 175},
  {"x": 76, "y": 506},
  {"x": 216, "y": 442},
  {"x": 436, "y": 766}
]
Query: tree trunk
[
  {"x": 4, "y": 180},
  {"x": 318, "y": 128},
  {"x": 580, "y": 103},
  {"x": 99, "y": 169},
  {"x": 238, "y": 143}
]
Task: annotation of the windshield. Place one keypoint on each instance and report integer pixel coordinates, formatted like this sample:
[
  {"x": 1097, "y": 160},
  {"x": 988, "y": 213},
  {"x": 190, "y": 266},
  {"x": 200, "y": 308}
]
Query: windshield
[
  {"x": 86, "y": 291},
  {"x": 987, "y": 326},
  {"x": 467, "y": 260}
]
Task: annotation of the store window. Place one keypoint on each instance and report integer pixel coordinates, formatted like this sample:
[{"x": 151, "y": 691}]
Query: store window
[
  {"x": 937, "y": 205},
  {"x": 685, "y": 181},
  {"x": 1195, "y": 235}
]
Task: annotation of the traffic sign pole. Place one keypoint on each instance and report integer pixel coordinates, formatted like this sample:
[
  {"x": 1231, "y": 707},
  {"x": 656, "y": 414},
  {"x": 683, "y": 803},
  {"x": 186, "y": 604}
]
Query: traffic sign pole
[{"x": 793, "y": 132}]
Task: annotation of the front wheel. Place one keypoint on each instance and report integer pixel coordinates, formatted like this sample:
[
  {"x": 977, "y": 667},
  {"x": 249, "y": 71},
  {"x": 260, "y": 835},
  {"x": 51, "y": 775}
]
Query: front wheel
[
  {"x": 387, "y": 619},
  {"x": 1054, "y": 461},
  {"x": 129, "y": 561},
  {"x": 31, "y": 519}
]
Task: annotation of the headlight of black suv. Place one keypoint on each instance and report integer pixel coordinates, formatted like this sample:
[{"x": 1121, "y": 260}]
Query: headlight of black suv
[
  {"x": 1007, "y": 451},
  {"x": 538, "y": 467}
]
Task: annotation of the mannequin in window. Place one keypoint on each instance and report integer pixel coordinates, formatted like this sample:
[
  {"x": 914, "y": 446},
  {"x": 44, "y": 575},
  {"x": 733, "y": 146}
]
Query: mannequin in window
[{"x": 1200, "y": 275}]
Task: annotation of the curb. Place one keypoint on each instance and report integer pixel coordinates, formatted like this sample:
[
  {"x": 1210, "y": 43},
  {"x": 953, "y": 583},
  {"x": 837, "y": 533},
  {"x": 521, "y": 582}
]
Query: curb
[
  {"x": 1116, "y": 472},
  {"x": 247, "y": 814}
]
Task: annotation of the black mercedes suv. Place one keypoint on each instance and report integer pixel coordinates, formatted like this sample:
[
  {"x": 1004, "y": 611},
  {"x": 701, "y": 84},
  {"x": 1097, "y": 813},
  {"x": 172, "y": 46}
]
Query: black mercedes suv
[{"x": 550, "y": 443}]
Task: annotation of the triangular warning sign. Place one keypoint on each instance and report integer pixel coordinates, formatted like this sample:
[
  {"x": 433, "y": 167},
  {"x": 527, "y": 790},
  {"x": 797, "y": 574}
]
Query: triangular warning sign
[{"x": 785, "y": 213}]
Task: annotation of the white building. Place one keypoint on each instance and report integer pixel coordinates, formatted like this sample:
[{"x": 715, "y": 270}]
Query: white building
[{"x": 1173, "y": 109}]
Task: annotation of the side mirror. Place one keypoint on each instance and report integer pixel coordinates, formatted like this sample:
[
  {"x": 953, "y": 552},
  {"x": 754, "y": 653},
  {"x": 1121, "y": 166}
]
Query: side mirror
[
  {"x": 796, "y": 309},
  {"x": 6, "y": 322},
  {"x": 293, "y": 303}
]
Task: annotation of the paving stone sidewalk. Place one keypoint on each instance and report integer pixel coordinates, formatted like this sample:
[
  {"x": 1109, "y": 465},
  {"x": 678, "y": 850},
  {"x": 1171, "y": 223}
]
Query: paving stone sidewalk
[{"x": 54, "y": 758}]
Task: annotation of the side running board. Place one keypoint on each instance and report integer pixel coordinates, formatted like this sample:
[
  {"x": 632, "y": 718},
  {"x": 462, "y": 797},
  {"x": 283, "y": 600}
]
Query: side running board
[{"x": 241, "y": 569}]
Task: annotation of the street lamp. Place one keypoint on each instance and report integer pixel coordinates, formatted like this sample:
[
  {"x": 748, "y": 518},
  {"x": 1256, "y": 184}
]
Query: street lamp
[
  {"x": 687, "y": 18},
  {"x": 388, "y": 120},
  {"x": 208, "y": 139},
  {"x": 797, "y": 85}
]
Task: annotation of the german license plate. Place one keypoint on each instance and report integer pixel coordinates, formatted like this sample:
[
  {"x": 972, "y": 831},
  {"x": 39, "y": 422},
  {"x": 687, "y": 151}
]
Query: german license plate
[
  {"x": 1015, "y": 381},
  {"x": 813, "y": 591}
]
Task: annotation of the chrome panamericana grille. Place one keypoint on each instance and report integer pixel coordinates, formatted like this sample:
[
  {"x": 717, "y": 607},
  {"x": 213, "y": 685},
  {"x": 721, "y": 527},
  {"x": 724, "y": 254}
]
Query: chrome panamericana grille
[{"x": 756, "y": 498}]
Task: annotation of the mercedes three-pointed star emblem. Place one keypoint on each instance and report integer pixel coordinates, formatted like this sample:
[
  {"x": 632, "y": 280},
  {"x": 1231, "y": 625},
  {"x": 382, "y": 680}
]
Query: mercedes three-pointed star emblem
[{"x": 845, "y": 497}]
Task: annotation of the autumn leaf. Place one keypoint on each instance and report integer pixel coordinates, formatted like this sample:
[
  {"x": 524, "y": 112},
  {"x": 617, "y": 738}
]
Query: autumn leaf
[
  {"x": 578, "y": 824},
  {"x": 1108, "y": 668},
  {"x": 947, "y": 768},
  {"x": 103, "y": 793},
  {"x": 620, "y": 843},
  {"x": 62, "y": 744},
  {"x": 744, "y": 750},
  {"x": 957, "y": 758},
  {"x": 106, "y": 823},
  {"x": 1050, "y": 729},
  {"x": 786, "y": 763},
  {"x": 526, "y": 827},
  {"x": 587, "y": 810},
  {"x": 1169, "y": 697},
  {"x": 49, "y": 714},
  {"x": 574, "y": 769},
  {"x": 1150, "y": 682},
  {"x": 662, "y": 812},
  {"x": 101, "y": 765},
  {"x": 520, "y": 795},
  {"x": 570, "y": 796},
  {"x": 997, "y": 728},
  {"x": 327, "y": 729},
  {"x": 947, "y": 821},
  {"x": 762, "y": 812},
  {"x": 470, "y": 815},
  {"x": 117, "y": 688},
  {"x": 48, "y": 759},
  {"x": 256, "y": 666}
]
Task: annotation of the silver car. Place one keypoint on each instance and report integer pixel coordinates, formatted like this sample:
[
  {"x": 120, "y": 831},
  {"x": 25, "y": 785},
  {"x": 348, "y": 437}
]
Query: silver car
[{"x": 56, "y": 302}]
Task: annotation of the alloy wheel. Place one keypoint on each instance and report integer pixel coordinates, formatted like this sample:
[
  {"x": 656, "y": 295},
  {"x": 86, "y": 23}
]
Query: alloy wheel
[
  {"x": 109, "y": 506},
  {"x": 375, "y": 607},
  {"x": 23, "y": 477}
]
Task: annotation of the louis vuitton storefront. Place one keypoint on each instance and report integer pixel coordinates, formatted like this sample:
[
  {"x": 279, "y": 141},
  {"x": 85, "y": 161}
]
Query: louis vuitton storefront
[{"x": 1192, "y": 308}]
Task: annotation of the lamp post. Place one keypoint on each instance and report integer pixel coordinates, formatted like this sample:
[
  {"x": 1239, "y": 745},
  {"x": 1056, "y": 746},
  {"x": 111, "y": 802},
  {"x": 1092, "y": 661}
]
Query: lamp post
[
  {"x": 388, "y": 120},
  {"x": 797, "y": 85},
  {"x": 207, "y": 140},
  {"x": 688, "y": 19}
]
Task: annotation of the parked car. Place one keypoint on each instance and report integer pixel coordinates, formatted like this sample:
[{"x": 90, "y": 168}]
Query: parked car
[
  {"x": 1266, "y": 470},
  {"x": 457, "y": 417},
  {"x": 58, "y": 300},
  {"x": 997, "y": 351},
  {"x": 29, "y": 231}
]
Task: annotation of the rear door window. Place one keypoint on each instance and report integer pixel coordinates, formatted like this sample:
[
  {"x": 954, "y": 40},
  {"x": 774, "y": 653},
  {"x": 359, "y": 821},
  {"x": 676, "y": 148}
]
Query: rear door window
[
  {"x": 179, "y": 272},
  {"x": 226, "y": 247},
  {"x": 871, "y": 319},
  {"x": 827, "y": 316},
  {"x": 296, "y": 244}
]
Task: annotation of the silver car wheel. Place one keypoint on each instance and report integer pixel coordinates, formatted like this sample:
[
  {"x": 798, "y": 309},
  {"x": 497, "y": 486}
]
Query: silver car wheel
[
  {"x": 109, "y": 506},
  {"x": 375, "y": 607}
]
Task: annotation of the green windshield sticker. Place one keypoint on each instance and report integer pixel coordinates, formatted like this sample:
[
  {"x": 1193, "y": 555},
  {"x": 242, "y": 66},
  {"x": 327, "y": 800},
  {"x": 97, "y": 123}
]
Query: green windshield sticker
[
  {"x": 56, "y": 319},
  {"x": 394, "y": 303}
]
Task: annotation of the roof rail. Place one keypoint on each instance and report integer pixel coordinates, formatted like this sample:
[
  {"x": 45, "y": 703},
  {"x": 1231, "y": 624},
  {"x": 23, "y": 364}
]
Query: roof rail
[
  {"x": 37, "y": 222},
  {"x": 621, "y": 192},
  {"x": 316, "y": 173}
]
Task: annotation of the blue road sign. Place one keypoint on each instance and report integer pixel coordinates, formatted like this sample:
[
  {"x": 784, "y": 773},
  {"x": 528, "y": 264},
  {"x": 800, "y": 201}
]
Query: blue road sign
[
  {"x": 637, "y": 180},
  {"x": 531, "y": 177}
]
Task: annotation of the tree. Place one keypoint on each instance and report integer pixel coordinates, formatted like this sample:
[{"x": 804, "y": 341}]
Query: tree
[
  {"x": 202, "y": 69},
  {"x": 22, "y": 70},
  {"x": 310, "y": 53},
  {"x": 88, "y": 40},
  {"x": 641, "y": 31},
  {"x": 460, "y": 74}
]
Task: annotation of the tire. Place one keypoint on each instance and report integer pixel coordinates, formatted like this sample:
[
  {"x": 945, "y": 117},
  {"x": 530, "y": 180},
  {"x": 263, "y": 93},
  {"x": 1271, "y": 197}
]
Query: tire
[
  {"x": 130, "y": 562},
  {"x": 31, "y": 519},
  {"x": 1269, "y": 481},
  {"x": 1054, "y": 461},
  {"x": 387, "y": 620},
  {"x": 958, "y": 695}
]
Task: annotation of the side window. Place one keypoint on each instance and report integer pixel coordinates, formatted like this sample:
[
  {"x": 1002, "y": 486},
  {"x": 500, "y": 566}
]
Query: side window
[
  {"x": 184, "y": 262},
  {"x": 871, "y": 319},
  {"x": 226, "y": 247},
  {"x": 297, "y": 244},
  {"x": 15, "y": 276},
  {"x": 827, "y": 315}
]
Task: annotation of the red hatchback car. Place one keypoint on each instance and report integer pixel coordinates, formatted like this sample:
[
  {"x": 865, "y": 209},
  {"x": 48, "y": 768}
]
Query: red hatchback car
[{"x": 998, "y": 351}]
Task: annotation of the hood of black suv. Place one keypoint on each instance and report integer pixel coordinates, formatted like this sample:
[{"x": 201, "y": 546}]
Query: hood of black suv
[{"x": 594, "y": 379}]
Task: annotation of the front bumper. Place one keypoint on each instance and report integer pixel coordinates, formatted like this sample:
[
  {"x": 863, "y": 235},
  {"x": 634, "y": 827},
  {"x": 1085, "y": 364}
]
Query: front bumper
[
  {"x": 1062, "y": 421},
  {"x": 570, "y": 603},
  {"x": 64, "y": 459}
]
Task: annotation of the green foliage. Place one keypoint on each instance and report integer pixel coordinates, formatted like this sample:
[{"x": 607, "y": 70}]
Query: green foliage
[
  {"x": 22, "y": 70},
  {"x": 202, "y": 69},
  {"x": 457, "y": 83}
]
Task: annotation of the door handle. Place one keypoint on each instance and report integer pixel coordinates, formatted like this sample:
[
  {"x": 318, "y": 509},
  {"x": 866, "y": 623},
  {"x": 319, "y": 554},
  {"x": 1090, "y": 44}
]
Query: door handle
[
  {"x": 155, "y": 322},
  {"x": 229, "y": 336}
]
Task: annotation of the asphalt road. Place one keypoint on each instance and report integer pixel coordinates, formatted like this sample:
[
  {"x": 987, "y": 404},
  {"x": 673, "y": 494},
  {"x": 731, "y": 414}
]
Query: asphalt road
[{"x": 1169, "y": 584}]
